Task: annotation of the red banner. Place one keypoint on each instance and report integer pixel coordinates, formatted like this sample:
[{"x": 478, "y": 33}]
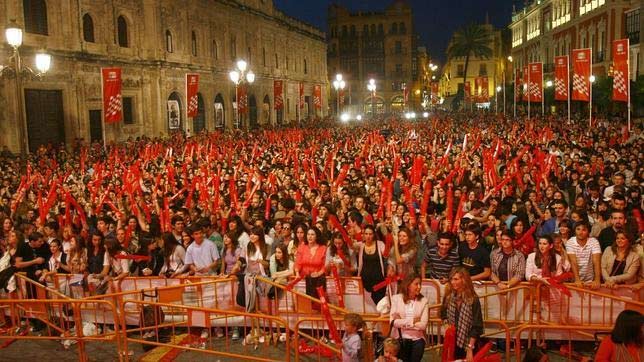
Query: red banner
[
  {"x": 112, "y": 98},
  {"x": 278, "y": 88},
  {"x": 535, "y": 87},
  {"x": 518, "y": 85},
  {"x": 467, "y": 90},
  {"x": 524, "y": 84},
  {"x": 621, "y": 84},
  {"x": 317, "y": 96},
  {"x": 434, "y": 92},
  {"x": 562, "y": 78},
  {"x": 341, "y": 95},
  {"x": 581, "y": 67},
  {"x": 242, "y": 98},
  {"x": 278, "y": 93},
  {"x": 192, "y": 87},
  {"x": 485, "y": 89},
  {"x": 301, "y": 98}
]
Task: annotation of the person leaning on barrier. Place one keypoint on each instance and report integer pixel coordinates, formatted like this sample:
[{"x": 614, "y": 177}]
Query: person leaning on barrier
[
  {"x": 620, "y": 261},
  {"x": 31, "y": 257},
  {"x": 410, "y": 315},
  {"x": 462, "y": 309},
  {"x": 508, "y": 263}
]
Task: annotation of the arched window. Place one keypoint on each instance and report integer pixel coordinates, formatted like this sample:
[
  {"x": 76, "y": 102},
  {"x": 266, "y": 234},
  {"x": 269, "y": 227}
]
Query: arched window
[
  {"x": 394, "y": 28},
  {"x": 35, "y": 13},
  {"x": 233, "y": 48},
  {"x": 193, "y": 42},
  {"x": 121, "y": 26},
  {"x": 264, "y": 56},
  {"x": 88, "y": 28},
  {"x": 373, "y": 29},
  {"x": 381, "y": 30},
  {"x": 402, "y": 28},
  {"x": 169, "y": 44},
  {"x": 277, "y": 62},
  {"x": 306, "y": 69}
]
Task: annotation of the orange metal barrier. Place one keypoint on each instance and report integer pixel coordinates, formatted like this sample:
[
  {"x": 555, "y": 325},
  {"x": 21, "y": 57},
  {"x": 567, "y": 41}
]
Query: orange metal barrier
[
  {"x": 569, "y": 330},
  {"x": 65, "y": 321},
  {"x": 188, "y": 322}
]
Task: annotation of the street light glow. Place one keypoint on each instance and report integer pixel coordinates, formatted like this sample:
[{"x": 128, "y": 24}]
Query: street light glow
[
  {"x": 241, "y": 65},
  {"x": 234, "y": 76},
  {"x": 250, "y": 77},
  {"x": 43, "y": 61},
  {"x": 14, "y": 35},
  {"x": 548, "y": 83},
  {"x": 344, "y": 117},
  {"x": 592, "y": 79},
  {"x": 359, "y": 117},
  {"x": 372, "y": 81},
  {"x": 338, "y": 77},
  {"x": 425, "y": 114},
  {"x": 498, "y": 88},
  {"x": 510, "y": 59}
]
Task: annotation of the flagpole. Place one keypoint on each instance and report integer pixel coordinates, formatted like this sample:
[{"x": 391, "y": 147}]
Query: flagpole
[
  {"x": 590, "y": 103},
  {"x": 543, "y": 95},
  {"x": 628, "y": 84},
  {"x": 103, "y": 113},
  {"x": 568, "y": 84}
]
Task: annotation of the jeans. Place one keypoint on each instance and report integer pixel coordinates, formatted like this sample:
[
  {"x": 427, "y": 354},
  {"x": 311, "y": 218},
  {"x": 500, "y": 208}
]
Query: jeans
[{"x": 412, "y": 350}]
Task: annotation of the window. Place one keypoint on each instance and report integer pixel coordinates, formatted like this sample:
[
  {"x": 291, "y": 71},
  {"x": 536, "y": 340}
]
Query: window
[
  {"x": 344, "y": 30},
  {"x": 398, "y": 49},
  {"x": 373, "y": 29},
  {"x": 128, "y": 110},
  {"x": 277, "y": 63},
  {"x": 402, "y": 28},
  {"x": 306, "y": 70},
  {"x": 215, "y": 50},
  {"x": 399, "y": 69},
  {"x": 482, "y": 69},
  {"x": 381, "y": 30},
  {"x": 88, "y": 28},
  {"x": 287, "y": 63},
  {"x": 249, "y": 55},
  {"x": 353, "y": 30},
  {"x": 193, "y": 42},
  {"x": 169, "y": 46},
  {"x": 394, "y": 28},
  {"x": 233, "y": 48},
  {"x": 35, "y": 12},
  {"x": 460, "y": 70},
  {"x": 121, "y": 25},
  {"x": 365, "y": 30}
]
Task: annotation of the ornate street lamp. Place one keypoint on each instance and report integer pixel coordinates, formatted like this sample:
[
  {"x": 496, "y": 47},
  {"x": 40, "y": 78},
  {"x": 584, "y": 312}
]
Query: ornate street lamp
[
  {"x": 338, "y": 84},
  {"x": 239, "y": 76}
]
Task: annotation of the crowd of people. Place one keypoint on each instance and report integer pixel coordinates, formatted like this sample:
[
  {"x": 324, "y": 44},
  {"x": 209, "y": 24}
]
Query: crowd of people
[{"x": 499, "y": 199}]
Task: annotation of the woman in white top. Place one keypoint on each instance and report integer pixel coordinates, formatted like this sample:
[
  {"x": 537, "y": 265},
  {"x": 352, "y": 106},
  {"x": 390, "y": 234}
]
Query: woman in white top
[
  {"x": 410, "y": 315},
  {"x": 114, "y": 268},
  {"x": 256, "y": 253},
  {"x": 174, "y": 256},
  {"x": 544, "y": 262}
]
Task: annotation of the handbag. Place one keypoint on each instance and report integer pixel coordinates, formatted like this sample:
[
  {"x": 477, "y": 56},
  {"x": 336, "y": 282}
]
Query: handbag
[{"x": 380, "y": 341}]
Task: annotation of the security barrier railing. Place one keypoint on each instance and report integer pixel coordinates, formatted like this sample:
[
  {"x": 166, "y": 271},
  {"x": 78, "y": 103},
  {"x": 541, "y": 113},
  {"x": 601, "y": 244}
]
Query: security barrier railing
[{"x": 205, "y": 314}]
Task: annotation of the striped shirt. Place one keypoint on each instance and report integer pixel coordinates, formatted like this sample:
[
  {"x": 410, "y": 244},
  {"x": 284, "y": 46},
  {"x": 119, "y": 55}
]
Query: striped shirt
[
  {"x": 584, "y": 256},
  {"x": 438, "y": 266}
]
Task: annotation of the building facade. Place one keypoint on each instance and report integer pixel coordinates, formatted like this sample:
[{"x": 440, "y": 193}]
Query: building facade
[
  {"x": 373, "y": 45},
  {"x": 155, "y": 43},
  {"x": 494, "y": 68},
  {"x": 548, "y": 28}
]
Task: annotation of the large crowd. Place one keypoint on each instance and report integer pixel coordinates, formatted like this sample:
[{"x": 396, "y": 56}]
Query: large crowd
[{"x": 499, "y": 199}]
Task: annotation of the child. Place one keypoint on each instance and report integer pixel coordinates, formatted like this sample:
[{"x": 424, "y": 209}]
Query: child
[
  {"x": 390, "y": 351},
  {"x": 351, "y": 341}
]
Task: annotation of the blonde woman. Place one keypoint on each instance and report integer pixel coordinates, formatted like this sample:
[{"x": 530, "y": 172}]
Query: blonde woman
[{"x": 462, "y": 309}]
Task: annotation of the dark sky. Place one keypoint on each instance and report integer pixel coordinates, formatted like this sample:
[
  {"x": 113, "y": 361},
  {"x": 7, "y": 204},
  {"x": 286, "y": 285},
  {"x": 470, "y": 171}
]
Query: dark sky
[{"x": 435, "y": 20}]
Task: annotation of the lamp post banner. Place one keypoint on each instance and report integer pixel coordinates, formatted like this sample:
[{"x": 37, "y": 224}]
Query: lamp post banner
[
  {"x": 242, "y": 96},
  {"x": 581, "y": 74},
  {"x": 317, "y": 96},
  {"x": 278, "y": 89},
  {"x": 526, "y": 81},
  {"x": 485, "y": 89},
  {"x": 535, "y": 87},
  {"x": 112, "y": 97},
  {"x": 192, "y": 87},
  {"x": 518, "y": 85},
  {"x": 620, "y": 70},
  {"x": 301, "y": 96},
  {"x": 562, "y": 78}
]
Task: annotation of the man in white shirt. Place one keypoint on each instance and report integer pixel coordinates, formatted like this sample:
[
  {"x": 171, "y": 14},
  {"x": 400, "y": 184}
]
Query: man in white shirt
[
  {"x": 585, "y": 256},
  {"x": 202, "y": 255}
]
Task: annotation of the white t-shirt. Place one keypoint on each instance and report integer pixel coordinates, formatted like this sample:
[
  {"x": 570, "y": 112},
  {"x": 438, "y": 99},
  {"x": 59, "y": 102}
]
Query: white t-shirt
[
  {"x": 118, "y": 266},
  {"x": 584, "y": 256},
  {"x": 202, "y": 255}
]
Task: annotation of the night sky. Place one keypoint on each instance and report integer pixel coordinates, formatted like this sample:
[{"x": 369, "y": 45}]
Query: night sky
[{"x": 435, "y": 20}]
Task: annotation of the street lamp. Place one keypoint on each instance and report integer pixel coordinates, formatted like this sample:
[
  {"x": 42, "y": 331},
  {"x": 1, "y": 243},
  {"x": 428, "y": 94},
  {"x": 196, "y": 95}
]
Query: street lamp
[
  {"x": 371, "y": 86},
  {"x": 548, "y": 83},
  {"x": 496, "y": 98},
  {"x": 13, "y": 34},
  {"x": 514, "y": 87},
  {"x": 338, "y": 84},
  {"x": 240, "y": 76}
]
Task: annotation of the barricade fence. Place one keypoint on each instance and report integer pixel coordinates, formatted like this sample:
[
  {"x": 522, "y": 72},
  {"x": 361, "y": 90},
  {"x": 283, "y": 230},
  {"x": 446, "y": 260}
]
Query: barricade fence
[{"x": 209, "y": 314}]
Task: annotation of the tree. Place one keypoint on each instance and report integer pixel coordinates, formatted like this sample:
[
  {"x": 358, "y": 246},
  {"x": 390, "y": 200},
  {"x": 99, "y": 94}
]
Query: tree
[{"x": 471, "y": 41}]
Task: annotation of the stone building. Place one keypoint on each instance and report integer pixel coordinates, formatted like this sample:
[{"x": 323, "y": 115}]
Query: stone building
[
  {"x": 155, "y": 43},
  {"x": 373, "y": 45},
  {"x": 548, "y": 28}
]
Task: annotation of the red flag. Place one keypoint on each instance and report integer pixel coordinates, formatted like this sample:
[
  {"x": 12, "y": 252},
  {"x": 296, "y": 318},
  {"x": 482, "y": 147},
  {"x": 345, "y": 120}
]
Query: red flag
[
  {"x": 341, "y": 95},
  {"x": 317, "y": 97},
  {"x": 562, "y": 77},
  {"x": 278, "y": 86},
  {"x": 478, "y": 87},
  {"x": 621, "y": 84},
  {"x": 581, "y": 66},
  {"x": 301, "y": 98},
  {"x": 485, "y": 89},
  {"x": 526, "y": 81},
  {"x": 535, "y": 86},
  {"x": 242, "y": 98},
  {"x": 192, "y": 87},
  {"x": 112, "y": 98}
]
